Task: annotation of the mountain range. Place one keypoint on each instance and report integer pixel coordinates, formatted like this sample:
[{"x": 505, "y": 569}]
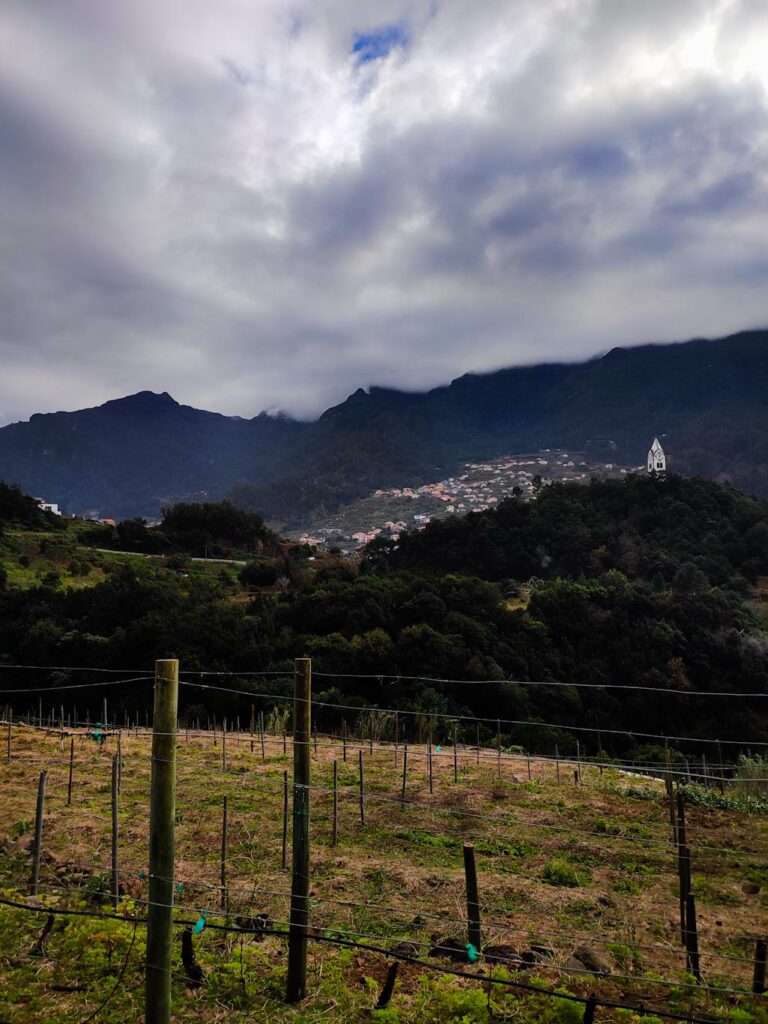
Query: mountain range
[{"x": 706, "y": 399}]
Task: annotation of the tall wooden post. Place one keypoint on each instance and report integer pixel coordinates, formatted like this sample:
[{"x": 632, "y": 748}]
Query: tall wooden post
[
  {"x": 162, "y": 815},
  {"x": 299, "y": 920},
  {"x": 115, "y": 825},
  {"x": 362, "y": 788}
]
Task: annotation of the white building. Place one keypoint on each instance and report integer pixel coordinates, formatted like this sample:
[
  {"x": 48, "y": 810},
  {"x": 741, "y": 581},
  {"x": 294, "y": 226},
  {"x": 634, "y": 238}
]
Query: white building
[
  {"x": 48, "y": 506},
  {"x": 657, "y": 460}
]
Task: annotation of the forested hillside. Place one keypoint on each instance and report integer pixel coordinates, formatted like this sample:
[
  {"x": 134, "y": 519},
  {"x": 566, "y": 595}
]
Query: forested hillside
[{"x": 586, "y": 591}]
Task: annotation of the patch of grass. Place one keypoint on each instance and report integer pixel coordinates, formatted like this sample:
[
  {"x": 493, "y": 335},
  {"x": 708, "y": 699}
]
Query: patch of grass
[{"x": 559, "y": 872}]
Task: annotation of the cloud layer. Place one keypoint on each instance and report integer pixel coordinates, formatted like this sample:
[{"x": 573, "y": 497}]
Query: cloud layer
[{"x": 261, "y": 205}]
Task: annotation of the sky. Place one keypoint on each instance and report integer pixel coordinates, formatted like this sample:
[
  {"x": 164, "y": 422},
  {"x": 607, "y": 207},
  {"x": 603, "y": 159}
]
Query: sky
[{"x": 265, "y": 204}]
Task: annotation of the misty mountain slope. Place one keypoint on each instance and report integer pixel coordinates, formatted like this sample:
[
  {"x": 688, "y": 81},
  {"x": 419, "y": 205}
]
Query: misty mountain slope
[
  {"x": 708, "y": 399},
  {"x": 128, "y": 456}
]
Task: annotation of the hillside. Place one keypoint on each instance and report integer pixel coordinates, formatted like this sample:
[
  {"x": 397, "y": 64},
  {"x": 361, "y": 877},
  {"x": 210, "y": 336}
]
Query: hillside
[
  {"x": 708, "y": 399},
  {"x": 564, "y": 870},
  {"x": 588, "y": 590}
]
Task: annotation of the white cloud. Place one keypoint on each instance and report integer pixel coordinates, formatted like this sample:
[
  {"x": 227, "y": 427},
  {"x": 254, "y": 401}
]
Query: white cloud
[{"x": 223, "y": 201}]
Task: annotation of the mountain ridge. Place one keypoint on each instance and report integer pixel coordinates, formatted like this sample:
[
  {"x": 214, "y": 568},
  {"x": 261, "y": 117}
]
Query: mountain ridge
[{"x": 133, "y": 454}]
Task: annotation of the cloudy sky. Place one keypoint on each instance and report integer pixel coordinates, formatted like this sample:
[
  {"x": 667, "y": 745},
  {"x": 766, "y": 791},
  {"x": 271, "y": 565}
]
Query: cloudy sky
[{"x": 263, "y": 203}]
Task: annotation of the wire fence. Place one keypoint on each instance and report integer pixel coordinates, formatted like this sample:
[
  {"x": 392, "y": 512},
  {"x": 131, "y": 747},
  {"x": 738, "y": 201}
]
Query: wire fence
[{"x": 417, "y": 804}]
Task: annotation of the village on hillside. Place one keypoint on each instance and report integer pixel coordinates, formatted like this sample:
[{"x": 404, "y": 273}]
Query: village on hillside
[{"x": 388, "y": 512}]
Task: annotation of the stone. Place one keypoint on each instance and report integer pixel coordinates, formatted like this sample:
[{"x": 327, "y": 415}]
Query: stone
[{"x": 594, "y": 962}]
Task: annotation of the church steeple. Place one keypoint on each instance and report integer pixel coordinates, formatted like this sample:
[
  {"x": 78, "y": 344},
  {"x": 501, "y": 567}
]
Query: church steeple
[{"x": 657, "y": 460}]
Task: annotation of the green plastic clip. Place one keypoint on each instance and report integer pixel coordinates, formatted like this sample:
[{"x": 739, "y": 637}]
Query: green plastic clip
[
  {"x": 200, "y": 923},
  {"x": 472, "y": 954}
]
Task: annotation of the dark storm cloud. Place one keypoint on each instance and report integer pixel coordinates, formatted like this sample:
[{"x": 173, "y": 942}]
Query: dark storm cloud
[{"x": 263, "y": 205}]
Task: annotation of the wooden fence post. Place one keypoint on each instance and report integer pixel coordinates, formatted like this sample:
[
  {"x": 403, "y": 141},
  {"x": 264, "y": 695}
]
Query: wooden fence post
[
  {"x": 455, "y": 758},
  {"x": 162, "y": 816},
  {"x": 405, "y": 770},
  {"x": 8, "y": 753},
  {"x": 429, "y": 761},
  {"x": 299, "y": 920},
  {"x": 683, "y": 865},
  {"x": 115, "y": 808},
  {"x": 39, "y": 811},
  {"x": 224, "y": 745},
  {"x": 758, "y": 978},
  {"x": 362, "y": 788},
  {"x": 473, "y": 900},
  {"x": 692, "y": 932},
  {"x": 498, "y": 745}
]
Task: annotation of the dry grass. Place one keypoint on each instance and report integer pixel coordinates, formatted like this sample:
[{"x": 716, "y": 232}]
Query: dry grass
[{"x": 401, "y": 876}]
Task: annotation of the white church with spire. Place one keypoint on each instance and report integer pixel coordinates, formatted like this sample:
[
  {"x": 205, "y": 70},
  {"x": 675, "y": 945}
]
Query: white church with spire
[{"x": 657, "y": 460}]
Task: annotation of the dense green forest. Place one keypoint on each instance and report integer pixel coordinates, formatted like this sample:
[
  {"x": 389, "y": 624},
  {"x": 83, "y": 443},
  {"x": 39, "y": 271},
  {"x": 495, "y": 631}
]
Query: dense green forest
[{"x": 635, "y": 583}]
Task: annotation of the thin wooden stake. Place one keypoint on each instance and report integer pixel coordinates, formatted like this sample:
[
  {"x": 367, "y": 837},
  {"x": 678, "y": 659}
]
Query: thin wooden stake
[
  {"x": 261, "y": 735},
  {"x": 761, "y": 955},
  {"x": 477, "y": 742},
  {"x": 405, "y": 770},
  {"x": 683, "y": 866},
  {"x": 362, "y": 788},
  {"x": 589, "y": 1010},
  {"x": 224, "y": 745},
  {"x": 71, "y": 769},
  {"x": 285, "y": 819},
  {"x": 473, "y": 900},
  {"x": 429, "y": 761},
  {"x": 389, "y": 986},
  {"x": 455, "y": 758},
  {"x": 299, "y": 919},
  {"x": 39, "y": 811},
  {"x": 8, "y": 752},
  {"x": 498, "y": 745},
  {"x": 335, "y": 835},
  {"x": 224, "y": 844}
]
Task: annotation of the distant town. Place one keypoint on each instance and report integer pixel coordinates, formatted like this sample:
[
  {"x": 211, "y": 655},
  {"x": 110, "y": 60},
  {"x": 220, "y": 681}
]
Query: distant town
[{"x": 389, "y": 512}]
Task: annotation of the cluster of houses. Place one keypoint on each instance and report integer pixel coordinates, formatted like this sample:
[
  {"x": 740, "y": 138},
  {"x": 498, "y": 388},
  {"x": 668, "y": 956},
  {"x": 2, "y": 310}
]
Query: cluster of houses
[{"x": 481, "y": 485}]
